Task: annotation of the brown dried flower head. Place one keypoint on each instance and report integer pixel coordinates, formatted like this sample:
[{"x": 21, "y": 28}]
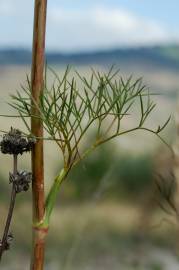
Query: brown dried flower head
[{"x": 14, "y": 143}]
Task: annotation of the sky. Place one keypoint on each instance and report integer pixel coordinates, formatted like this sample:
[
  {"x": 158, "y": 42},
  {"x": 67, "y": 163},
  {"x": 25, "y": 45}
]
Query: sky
[{"x": 78, "y": 25}]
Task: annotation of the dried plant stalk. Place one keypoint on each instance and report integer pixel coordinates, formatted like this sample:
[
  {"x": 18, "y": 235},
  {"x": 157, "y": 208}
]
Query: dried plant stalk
[
  {"x": 37, "y": 260},
  {"x": 176, "y": 158}
]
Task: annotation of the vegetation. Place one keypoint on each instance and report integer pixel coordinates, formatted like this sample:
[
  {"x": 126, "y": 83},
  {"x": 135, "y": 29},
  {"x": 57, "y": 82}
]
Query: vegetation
[
  {"x": 67, "y": 111},
  {"x": 129, "y": 176},
  {"x": 73, "y": 107}
]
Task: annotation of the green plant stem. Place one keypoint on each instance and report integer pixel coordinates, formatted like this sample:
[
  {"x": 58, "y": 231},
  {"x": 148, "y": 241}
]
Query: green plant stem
[
  {"x": 52, "y": 196},
  {"x": 51, "y": 200}
]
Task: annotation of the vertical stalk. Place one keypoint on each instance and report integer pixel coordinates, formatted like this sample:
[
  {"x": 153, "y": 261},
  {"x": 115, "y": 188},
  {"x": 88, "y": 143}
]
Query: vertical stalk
[
  {"x": 176, "y": 157},
  {"x": 10, "y": 211},
  {"x": 176, "y": 171},
  {"x": 40, "y": 9}
]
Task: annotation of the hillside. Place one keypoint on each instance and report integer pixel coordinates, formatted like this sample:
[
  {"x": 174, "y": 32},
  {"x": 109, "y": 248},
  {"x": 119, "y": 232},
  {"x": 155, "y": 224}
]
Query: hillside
[{"x": 166, "y": 57}]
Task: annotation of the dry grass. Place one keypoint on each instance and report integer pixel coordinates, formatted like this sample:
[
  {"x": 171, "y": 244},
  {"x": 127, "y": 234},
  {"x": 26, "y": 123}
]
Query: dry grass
[
  {"x": 99, "y": 236},
  {"x": 107, "y": 235}
]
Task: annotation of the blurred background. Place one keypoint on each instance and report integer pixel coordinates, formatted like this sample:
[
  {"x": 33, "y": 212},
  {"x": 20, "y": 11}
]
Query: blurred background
[{"x": 109, "y": 213}]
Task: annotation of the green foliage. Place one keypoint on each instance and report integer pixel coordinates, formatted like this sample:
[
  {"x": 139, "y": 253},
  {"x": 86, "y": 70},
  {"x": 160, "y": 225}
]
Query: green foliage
[
  {"x": 74, "y": 106},
  {"x": 134, "y": 173},
  {"x": 69, "y": 110},
  {"x": 127, "y": 176},
  {"x": 155, "y": 266},
  {"x": 85, "y": 179},
  {"x": 171, "y": 52}
]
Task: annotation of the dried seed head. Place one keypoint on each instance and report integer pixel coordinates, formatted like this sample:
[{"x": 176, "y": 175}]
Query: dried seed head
[
  {"x": 8, "y": 241},
  {"x": 14, "y": 143},
  {"x": 21, "y": 180}
]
